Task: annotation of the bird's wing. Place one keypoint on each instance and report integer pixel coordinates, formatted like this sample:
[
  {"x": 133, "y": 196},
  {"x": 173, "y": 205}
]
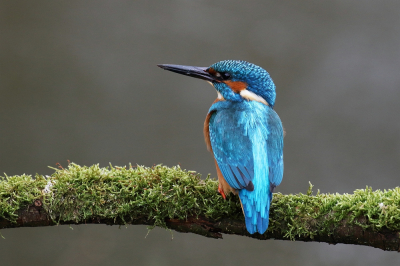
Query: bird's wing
[
  {"x": 275, "y": 148},
  {"x": 232, "y": 150},
  {"x": 236, "y": 135}
]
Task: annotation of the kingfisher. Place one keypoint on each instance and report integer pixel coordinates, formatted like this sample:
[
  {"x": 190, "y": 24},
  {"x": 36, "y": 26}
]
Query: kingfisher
[{"x": 244, "y": 133}]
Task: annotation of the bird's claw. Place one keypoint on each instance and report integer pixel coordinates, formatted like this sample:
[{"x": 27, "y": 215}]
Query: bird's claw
[{"x": 220, "y": 191}]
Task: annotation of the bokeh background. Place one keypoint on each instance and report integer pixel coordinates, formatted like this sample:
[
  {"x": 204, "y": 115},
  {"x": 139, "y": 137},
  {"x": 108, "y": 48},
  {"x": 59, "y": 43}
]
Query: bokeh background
[{"x": 79, "y": 82}]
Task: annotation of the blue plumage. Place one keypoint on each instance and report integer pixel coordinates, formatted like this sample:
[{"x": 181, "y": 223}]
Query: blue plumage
[
  {"x": 246, "y": 139},
  {"x": 245, "y": 135}
]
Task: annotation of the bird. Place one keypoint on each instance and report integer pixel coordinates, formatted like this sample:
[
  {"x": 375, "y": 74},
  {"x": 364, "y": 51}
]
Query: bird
[{"x": 244, "y": 133}]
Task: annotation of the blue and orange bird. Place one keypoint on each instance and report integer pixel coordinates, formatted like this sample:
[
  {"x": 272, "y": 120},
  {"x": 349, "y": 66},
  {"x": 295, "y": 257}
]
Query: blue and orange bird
[{"x": 244, "y": 133}]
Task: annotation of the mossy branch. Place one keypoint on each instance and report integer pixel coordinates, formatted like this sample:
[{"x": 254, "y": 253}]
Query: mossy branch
[{"x": 180, "y": 200}]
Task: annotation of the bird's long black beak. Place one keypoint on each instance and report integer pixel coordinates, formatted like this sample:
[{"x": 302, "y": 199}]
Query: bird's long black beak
[{"x": 191, "y": 71}]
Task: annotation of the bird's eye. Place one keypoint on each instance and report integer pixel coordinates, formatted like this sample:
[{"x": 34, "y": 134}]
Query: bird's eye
[
  {"x": 218, "y": 75},
  {"x": 226, "y": 75},
  {"x": 223, "y": 75}
]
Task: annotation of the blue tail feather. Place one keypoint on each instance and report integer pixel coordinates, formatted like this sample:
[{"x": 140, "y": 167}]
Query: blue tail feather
[{"x": 256, "y": 212}]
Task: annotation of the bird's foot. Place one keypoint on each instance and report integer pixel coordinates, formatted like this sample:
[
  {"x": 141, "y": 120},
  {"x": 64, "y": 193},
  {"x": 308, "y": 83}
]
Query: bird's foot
[{"x": 221, "y": 191}]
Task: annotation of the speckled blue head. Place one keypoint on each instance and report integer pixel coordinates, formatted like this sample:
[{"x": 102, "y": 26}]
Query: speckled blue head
[
  {"x": 235, "y": 80},
  {"x": 254, "y": 78}
]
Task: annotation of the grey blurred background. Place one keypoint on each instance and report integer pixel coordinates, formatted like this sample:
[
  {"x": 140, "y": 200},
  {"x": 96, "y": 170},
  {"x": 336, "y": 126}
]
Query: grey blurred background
[{"x": 79, "y": 82}]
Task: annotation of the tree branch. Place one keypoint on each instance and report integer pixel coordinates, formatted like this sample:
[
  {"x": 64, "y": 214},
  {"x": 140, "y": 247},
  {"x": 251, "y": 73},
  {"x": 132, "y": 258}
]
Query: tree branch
[{"x": 180, "y": 200}]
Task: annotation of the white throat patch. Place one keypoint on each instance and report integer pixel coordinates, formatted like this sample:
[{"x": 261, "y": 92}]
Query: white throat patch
[
  {"x": 251, "y": 96},
  {"x": 220, "y": 97}
]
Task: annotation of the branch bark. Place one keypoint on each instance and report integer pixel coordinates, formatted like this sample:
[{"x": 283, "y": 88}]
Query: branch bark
[
  {"x": 158, "y": 196},
  {"x": 35, "y": 215}
]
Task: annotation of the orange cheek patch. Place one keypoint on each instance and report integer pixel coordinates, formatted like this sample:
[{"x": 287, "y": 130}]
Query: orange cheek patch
[{"x": 236, "y": 86}]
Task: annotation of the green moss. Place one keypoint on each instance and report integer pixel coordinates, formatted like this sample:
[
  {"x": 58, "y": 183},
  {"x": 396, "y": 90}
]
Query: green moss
[
  {"x": 157, "y": 193},
  {"x": 78, "y": 193},
  {"x": 307, "y": 215},
  {"x": 17, "y": 192}
]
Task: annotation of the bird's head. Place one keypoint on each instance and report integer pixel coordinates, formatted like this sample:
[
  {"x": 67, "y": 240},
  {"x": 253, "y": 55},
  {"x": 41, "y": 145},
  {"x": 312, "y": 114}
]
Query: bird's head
[{"x": 234, "y": 80}]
